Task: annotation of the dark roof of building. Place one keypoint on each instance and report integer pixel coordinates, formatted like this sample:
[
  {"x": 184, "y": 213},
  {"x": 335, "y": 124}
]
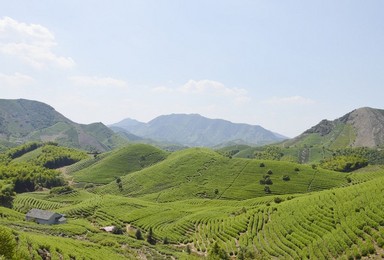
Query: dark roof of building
[{"x": 40, "y": 214}]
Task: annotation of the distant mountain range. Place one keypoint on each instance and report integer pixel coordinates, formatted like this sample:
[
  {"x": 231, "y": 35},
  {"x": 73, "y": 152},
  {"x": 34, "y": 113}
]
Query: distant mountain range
[
  {"x": 25, "y": 120},
  {"x": 363, "y": 127},
  {"x": 196, "y": 130}
]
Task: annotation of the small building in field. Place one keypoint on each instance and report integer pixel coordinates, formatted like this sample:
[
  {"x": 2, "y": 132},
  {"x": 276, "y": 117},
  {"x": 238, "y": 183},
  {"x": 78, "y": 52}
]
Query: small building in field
[
  {"x": 108, "y": 229},
  {"x": 45, "y": 217}
]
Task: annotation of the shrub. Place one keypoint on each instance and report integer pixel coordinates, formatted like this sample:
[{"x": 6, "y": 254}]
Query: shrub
[
  {"x": 89, "y": 186},
  {"x": 269, "y": 172},
  {"x": 7, "y": 243},
  {"x": 380, "y": 242},
  {"x": 150, "y": 237},
  {"x": 118, "y": 230},
  {"x": 138, "y": 234},
  {"x": 267, "y": 189},
  {"x": 61, "y": 190},
  {"x": 262, "y": 164},
  {"x": 277, "y": 199},
  {"x": 286, "y": 178}
]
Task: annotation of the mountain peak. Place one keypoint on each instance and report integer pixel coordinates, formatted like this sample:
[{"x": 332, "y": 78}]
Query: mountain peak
[
  {"x": 362, "y": 127},
  {"x": 197, "y": 130},
  {"x": 23, "y": 120}
]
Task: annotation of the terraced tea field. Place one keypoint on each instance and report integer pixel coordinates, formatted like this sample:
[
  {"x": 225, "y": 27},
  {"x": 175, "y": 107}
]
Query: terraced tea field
[{"x": 197, "y": 202}]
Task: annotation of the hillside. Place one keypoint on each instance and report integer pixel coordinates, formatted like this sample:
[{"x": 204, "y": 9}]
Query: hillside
[
  {"x": 363, "y": 127},
  {"x": 329, "y": 224},
  {"x": 104, "y": 169},
  {"x": 193, "y": 204},
  {"x": 196, "y": 130},
  {"x": 25, "y": 120},
  {"x": 202, "y": 173}
]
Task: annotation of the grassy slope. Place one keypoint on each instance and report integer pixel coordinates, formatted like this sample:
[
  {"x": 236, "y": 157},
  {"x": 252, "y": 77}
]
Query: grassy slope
[
  {"x": 319, "y": 225},
  {"x": 199, "y": 172},
  {"x": 310, "y": 222},
  {"x": 120, "y": 162}
]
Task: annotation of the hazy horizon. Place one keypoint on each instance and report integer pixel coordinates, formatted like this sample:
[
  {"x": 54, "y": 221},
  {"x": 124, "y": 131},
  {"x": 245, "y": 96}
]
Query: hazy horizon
[{"x": 282, "y": 65}]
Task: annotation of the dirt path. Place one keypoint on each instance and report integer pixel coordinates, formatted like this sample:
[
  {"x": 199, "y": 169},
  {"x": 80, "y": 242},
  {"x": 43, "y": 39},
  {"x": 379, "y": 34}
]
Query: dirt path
[
  {"x": 66, "y": 176},
  {"x": 234, "y": 179}
]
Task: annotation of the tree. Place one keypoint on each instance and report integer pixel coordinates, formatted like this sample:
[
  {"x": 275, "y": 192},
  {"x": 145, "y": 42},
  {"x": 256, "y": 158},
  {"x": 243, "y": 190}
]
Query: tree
[
  {"x": 286, "y": 178},
  {"x": 6, "y": 196},
  {"x": 188, "y": 250},
  {"x": 217, "y": 253},
  {"x": 150, "y": 237},
  {"x": 118, "y": 230},
  {"x": 267, "y": 189},
  {"x": 7, "y": 243},
  {"x": 244, "y": 253},
  {"x": 138, "y": 234}
]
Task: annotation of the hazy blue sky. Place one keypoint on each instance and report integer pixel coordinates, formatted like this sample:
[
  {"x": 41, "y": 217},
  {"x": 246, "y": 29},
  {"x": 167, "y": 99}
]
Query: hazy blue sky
[{"x": 284, "y": 65}]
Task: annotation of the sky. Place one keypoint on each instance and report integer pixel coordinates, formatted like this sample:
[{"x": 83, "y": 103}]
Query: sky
[{"x": 284, "y": 65}]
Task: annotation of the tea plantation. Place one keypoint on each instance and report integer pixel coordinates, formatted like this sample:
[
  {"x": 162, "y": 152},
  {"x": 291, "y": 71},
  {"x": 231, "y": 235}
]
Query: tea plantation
[{"x": 198, "y": 204}]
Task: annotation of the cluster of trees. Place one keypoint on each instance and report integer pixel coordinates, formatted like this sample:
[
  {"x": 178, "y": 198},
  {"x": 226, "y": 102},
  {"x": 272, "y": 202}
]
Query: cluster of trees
[
  {"x": 54, "y": 157},
  {"x": 344, "y": 163},
  {"x": 36, "y": 172},
  {"x": 270, "y": 153},
  {"x": 20, "y": 178},
  {"x": 26, "y": 177},
  {"x": 18, "y": 151},
  {"x": 373, "y": 156}
]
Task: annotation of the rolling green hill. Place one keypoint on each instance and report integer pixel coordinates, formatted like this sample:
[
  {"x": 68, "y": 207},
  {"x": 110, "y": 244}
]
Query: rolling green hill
[
  {"x": 120, "y": 162},
  {"x": 341, "y": 223},
  {"x": 203, "y": 173}
]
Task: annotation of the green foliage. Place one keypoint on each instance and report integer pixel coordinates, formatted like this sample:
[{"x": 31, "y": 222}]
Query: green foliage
[
  {"x": 54, "y": 157},
  {"x": 7, "y": 243},
  {"x": 267, "y": 189},
  {"x": 138, "y": 234},
  {"x": 22, "y": 149},
  {"x": 343, "y": 163},
  {"x": 118, "y": 230},
  {"x": 61, "y": 190},
  {"x": 150, "y": 237},
  {"x": 373, "y": 156},
  {"x": 6, "y": 195},
  {"x": 27, "y": 177},
  {"x": 286, "y": 178},
  {"x": 217, "y": 253},
  {"x": 270, "y": 153},
  {"x": 277, "y": 199}
]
